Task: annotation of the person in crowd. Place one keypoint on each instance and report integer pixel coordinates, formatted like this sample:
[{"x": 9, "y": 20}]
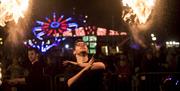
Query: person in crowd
[
  {"x": 34, "y": 79},
  {"x": 171, "y": 60},
  {"x": 148, "y": 81},
  {"x": 15, "y": 70},
  {"x": 84, "y": 74},
  {"x": 124, "y": 72}
]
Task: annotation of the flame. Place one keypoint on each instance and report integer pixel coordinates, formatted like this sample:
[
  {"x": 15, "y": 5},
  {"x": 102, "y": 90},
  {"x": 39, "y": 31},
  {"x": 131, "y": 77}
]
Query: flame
[
  {"x": 12, "y": 10},
  {"x": 137, "y": 14},
  {"x": 137, "y": 11}
]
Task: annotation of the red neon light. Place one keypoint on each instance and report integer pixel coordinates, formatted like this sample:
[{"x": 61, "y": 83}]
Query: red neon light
[
  {"x": 123, "y": 33},
  {"x": 101, "y": 31},
  {"x": 64, "y": 21},
  {"x": 54, "y": 32},
  {"x": 80, "y": 32},
  {"x": 54, "y": 19},
  {"x": 113, "y": 33},
  {"x": 67, "y": 33},
  {"x": 59, "y": 19},
  {"x": 49, "y": 20},
  {"x": 45, "y": 27},
  {"x": 60, "y": 31},
  {"x": 49, "y": 33}
]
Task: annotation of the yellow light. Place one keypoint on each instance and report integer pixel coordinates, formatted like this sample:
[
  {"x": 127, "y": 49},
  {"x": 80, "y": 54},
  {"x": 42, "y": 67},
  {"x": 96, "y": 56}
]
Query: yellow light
[
  {"x": 173, "y": 42},
  {"x": 177, "y": 43},
  {"x": 86, "y": 16},
  {"x": 123, "y": 33},
  {"x": 167, "y": 43},
  {"x": 170, "y": 42},
  {"x": 1, "y": 43},
  {"x": 152, "y": 35},
  {"x": 154, "y": 38},
  {"x": 0, "y": 75},
  {"x": 0, "y": 82},
  {"x": 117, "y": 49},
  {"x": 105, "y": 49}
]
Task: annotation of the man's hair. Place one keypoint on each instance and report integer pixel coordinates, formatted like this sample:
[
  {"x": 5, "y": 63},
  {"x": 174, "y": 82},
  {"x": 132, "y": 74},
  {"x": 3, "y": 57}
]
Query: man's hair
[
  {"x": 77, "y": 41},
  {"x": 33, "y": 49}
]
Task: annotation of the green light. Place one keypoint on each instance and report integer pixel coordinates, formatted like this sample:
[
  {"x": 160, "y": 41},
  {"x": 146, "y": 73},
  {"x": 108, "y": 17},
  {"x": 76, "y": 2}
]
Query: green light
[
  {"x": 92, "y": 51},
  {"x": 92, "y": 38},
  {"x": 92, "y": 44},
  {"x": 85, "y": 38}
]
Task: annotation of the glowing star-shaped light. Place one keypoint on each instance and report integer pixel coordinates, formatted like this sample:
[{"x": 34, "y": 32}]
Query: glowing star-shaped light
[
  {"x": 12, "y": 10},
  {"x": 137, "y": 11},
  {"x": 53, "y": 27}
]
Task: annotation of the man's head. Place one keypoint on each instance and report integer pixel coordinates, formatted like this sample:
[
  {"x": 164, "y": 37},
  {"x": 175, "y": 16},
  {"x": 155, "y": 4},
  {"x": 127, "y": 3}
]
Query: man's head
[
  {"x": 33, "y": 55},
  {"x": 80, "y": 48}
]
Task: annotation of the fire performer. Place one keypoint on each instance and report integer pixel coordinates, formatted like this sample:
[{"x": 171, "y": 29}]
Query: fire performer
[{"x": 86, "y": 73}]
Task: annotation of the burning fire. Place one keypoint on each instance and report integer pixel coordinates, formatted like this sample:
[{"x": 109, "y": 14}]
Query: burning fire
[
  {"x": 137, "y": 11},
  {"x": 137, "y": 14},
  {"x": 12, "y": 10}
]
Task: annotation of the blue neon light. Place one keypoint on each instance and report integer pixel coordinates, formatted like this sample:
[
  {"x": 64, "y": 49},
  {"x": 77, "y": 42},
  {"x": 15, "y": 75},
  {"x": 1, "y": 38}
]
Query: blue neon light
[
  {"x": 42, "y": 46},
  {"x": 53, "y": 26}
]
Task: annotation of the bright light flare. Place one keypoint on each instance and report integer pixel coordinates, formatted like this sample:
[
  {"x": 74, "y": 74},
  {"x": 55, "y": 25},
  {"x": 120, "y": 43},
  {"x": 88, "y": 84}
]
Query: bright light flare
[
  {"x": 137, "y": 11},
  {"x": 12, "y": 10}
]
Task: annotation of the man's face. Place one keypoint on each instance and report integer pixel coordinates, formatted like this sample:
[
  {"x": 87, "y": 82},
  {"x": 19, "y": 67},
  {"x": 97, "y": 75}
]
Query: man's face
[
  {"x": 80, "y": 47},
  {"x": 149, "y": 56},
  {"x": 32, "y": 55}
]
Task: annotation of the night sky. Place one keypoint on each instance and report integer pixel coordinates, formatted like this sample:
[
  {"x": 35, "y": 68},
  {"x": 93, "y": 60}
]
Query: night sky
[
  {"x": 100, "y": 12},
  {"x": 107, "y": 14}
]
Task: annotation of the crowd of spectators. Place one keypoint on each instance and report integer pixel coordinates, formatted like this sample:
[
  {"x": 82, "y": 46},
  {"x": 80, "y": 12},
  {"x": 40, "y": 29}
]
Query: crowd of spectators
[{"x": 143, "y": 69}]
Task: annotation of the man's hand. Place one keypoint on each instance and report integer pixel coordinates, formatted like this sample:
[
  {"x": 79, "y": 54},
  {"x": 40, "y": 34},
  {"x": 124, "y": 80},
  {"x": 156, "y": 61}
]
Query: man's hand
[
  {"x": 13, "y": 82},
  {"x": 85, "y": 67},
  {"x": 16, "y": 81},
  {"x": 89, "y": 64},
  {"x": 91, "y": 61},
  {"x": 69, "y": 62}
]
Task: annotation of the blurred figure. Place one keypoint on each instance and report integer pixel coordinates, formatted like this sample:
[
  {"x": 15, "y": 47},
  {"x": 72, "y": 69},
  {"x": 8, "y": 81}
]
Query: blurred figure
[
  {"x": 170, "y": 84},
  {"x": 149, "y": 81},
  {"x": 161, "y": 54},
  {"x": 178, "y": 60},
  {"x": 86, "y": 73},
  {"x": 110, "y": 75},
  {"x": 123, "y": 71},
  {"x": 34, "y": 79},
  {"x": 15, "y": 70},
  {"x": 171, "y": 60}
]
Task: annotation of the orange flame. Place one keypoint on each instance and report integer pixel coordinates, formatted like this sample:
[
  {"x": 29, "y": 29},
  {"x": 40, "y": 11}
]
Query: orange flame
[
  {"x": 137, "y": 14},
  {"x": 137, "y": 11},
  {"x": 12, "y": 10}
]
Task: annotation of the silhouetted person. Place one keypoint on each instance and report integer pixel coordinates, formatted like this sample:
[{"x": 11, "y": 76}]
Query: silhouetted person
[
  {"x": 149, "y": 82},
  {"x": 35, "y": 79},
  {"x": 123, "y": 71}
]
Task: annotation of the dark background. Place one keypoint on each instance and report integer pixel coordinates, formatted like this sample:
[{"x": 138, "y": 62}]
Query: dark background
[{"x": 107, "y": 14}]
